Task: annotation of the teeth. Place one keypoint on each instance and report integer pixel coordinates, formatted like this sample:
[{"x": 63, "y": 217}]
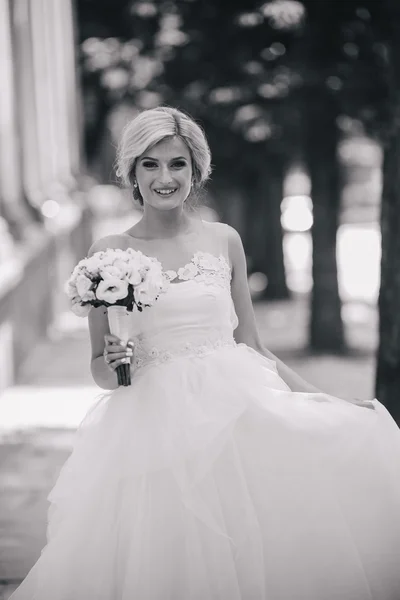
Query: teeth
[{"x": 165, "y": 192}]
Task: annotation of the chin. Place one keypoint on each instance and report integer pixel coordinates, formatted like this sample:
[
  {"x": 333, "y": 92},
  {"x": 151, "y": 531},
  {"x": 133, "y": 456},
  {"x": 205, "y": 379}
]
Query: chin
[{"x": 168, "y": 203}]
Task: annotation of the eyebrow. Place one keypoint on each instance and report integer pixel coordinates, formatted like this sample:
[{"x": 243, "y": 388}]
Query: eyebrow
[{"x": 152, "y": 158}]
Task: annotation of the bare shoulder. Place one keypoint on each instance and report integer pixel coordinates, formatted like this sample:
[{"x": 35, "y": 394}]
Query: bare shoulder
[
  {"x": 225, "y": 231},
  {"x": 108, "y": 241},
  {"x": 233, "y": 239},
  {"x": 233, "y": 243}
]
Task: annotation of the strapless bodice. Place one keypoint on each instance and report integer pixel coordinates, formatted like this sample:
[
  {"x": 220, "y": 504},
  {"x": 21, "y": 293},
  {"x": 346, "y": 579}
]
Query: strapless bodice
[{"x": 194, "y": 315}]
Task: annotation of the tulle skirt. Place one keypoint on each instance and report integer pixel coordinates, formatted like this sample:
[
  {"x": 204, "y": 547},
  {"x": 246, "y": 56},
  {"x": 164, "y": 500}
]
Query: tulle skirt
[{"x": 208, "y": 479}]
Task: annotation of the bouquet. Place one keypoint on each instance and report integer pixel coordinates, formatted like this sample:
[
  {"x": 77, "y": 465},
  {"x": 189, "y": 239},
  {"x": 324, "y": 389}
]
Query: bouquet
[{"x": 120, "y": 280}]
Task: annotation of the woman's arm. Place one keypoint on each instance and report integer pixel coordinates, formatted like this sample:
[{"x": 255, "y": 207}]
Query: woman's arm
[
  {"x": 98, "y": 328},
  {"x": 247, "y": 332}
]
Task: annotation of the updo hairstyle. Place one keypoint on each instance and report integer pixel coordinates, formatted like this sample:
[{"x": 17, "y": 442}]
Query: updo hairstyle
[{"x": 155, "y": 125}]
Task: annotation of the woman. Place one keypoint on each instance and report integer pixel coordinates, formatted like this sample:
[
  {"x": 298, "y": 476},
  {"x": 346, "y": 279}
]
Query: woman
[{"x": 219, "y": 474}]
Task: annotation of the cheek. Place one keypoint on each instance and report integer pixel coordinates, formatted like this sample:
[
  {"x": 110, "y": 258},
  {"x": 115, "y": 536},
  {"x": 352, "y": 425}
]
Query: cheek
[
  {"x": 185, "y": 179},
  {"x": 144, "y": 180}
]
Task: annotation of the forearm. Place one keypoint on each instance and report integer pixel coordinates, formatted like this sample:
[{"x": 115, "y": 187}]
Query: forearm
[
  {"x": 290, "y": 377},
  {"x": 102, "y": 375}
]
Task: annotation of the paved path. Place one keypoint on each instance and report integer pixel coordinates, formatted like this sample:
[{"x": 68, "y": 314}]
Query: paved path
[{"x": 39, "y": 416}]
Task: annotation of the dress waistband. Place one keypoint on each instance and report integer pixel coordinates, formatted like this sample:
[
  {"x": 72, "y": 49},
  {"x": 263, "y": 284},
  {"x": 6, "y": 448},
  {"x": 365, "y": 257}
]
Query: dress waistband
[{"x": 145, "y": 356}]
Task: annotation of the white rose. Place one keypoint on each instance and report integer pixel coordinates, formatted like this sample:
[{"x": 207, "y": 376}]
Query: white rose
[
  {"x": 155, "y": 271},
  {"x": 139, "y": 265},
  {"x": 79, "y": 310},
  {"x": 108, "y": 257},
  {"x": 156, "y": 278},
  {"x": 147, "y": 291},
  {"x": 93, "y": 263},
  {"x": 136, "y": 255},
  {"x": 112, "y": 289},
  {"x": 122, "y": 265},
  {"x": 77, "y": 269},
  {"x": 134, "y": 275},
  {"x": 70, "y": 288},
  {"x": 111, "y": 271},
  {"x": 83, "y": 288}
]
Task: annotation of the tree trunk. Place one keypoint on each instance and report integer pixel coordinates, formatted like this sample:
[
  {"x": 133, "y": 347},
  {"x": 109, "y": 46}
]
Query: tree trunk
[
  {"x": 387, "y": 387},
  {"x": 266, "y": 230},
  {"x": 326, "y": 331},
  {"x": 227, "y": 195},
  {"x": 388, "y": 363}
]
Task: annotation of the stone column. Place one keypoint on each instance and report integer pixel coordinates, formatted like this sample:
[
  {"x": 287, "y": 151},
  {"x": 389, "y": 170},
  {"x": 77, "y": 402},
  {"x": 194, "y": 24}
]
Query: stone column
[{"x": 13, "y": 208}]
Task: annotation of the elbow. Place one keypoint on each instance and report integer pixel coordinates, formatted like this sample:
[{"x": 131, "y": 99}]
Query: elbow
[
  {"x": 254, "y": 342},
  {"x": 243, "y": 336},
  {"x": 261, "y": 349}
]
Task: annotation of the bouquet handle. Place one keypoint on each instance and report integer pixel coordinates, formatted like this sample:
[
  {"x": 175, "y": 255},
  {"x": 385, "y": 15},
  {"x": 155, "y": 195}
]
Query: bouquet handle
[{"x": 119, "y": 323}]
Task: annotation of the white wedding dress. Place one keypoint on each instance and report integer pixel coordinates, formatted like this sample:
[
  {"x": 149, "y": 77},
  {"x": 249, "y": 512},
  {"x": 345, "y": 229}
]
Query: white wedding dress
[{"x": 208, "y": 479}]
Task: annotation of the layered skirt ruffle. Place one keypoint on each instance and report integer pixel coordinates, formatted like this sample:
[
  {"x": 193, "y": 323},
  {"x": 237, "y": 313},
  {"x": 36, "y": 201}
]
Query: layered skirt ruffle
[{"x": 208, "y": 479}]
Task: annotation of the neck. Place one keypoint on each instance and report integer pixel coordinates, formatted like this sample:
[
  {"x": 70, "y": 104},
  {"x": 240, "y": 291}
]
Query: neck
[{"x": 168, "y": 224}]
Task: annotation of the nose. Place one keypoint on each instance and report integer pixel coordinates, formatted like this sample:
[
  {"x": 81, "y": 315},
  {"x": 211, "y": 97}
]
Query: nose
[{"x": 165, "y": 175}]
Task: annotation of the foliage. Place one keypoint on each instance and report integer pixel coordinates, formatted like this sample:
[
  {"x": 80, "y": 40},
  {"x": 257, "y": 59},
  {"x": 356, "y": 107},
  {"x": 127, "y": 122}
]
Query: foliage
[
  {"x": 238, "y": 64},
  {"x": 225, "y": 63}
]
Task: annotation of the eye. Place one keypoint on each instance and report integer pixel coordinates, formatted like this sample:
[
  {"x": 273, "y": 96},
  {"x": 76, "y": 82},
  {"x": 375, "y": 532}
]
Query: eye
[
  {"x": 149, "y": 164},
  {"x": 179, "y": 164}
]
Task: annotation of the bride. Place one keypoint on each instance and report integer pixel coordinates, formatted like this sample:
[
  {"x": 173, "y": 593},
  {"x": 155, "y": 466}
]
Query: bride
[{"x": 219, "y": 474}]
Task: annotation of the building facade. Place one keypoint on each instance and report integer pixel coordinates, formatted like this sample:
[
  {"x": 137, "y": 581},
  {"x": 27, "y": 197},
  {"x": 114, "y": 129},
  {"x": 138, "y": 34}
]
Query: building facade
[{"x": 44, "y": 221}]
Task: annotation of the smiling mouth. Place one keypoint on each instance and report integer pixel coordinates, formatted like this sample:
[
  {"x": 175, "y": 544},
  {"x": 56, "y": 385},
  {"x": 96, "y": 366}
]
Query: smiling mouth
[{"x": 165, "y": 193}]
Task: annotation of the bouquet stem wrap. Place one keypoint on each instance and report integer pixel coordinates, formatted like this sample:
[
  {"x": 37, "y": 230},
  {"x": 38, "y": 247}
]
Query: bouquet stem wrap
[{"x": 119, "y": 322}]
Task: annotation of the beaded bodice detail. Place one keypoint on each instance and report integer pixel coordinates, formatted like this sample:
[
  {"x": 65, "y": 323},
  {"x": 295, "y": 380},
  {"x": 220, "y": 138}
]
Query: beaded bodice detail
[
  {"x": 194, "y": 316},
  {"x": 156, "y": 356}
]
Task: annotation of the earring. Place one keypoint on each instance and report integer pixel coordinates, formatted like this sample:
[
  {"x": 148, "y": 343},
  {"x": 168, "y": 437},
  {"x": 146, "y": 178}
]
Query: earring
[{"x": 135, "y": 190}]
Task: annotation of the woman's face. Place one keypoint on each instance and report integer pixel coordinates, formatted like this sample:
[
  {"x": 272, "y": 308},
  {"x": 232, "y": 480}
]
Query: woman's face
[{"x": 164, "y": 174}]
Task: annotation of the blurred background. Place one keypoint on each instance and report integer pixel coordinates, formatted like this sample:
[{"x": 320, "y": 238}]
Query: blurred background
[{"x": 300, "y": 102}]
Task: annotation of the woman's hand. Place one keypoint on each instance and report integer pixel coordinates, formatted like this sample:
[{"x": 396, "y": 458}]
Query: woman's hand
[{"x": 115, "y": 352}]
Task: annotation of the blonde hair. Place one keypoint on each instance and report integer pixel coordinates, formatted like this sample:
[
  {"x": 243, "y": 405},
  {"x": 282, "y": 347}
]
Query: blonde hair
[{"x": 155, "y": 125}]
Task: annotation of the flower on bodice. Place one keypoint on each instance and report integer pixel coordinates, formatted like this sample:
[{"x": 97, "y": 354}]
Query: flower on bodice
[
  {"x": 203, "y": 267},
  {"x": 170, "y": 274},
  {"x": 189, "y": 271},
  {"x": 207, "y": 262},
  {"x": 209, "y": 269}
]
